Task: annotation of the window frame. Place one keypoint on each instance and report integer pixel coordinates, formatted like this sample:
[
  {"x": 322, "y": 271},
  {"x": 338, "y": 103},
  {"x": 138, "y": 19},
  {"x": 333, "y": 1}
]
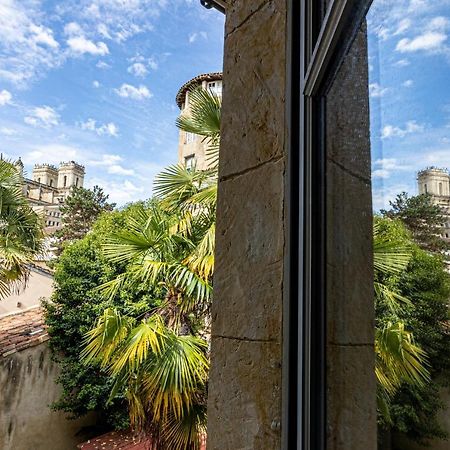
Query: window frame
[{"x": 318, "y": 40}]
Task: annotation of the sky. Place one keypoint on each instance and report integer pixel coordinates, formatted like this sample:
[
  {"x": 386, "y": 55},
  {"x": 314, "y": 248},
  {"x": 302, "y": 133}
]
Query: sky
[
  {"x": 95, "y": 81},
  {"x": 409, "y": 72}
]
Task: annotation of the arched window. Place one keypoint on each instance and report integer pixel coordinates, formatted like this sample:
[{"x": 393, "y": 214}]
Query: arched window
[
  {"x": 65, "y": 180},
  {"x": 51, "y": 183}
]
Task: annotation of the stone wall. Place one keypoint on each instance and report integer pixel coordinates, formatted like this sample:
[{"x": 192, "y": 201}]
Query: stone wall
[
  {"x": 244, "y": 407},
  {"x": 27, "y": 386}
]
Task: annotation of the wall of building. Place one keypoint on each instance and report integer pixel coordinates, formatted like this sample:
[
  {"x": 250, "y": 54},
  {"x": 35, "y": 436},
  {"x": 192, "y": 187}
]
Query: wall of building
[
  {"x": 244, "y": 404},
  {"x": 39, "y": 285},
  {"x": 27, "y": 384}
]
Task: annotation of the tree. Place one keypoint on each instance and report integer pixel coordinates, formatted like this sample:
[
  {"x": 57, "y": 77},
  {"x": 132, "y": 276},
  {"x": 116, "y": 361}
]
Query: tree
[
  {"x": 427, "y": 283},
  {"x": 161, "y": 360},
  {"x": 422, "y": 217},
  {"x": 21, "y": 230},
  {"x": 73, "y": 311},
  {"x": 81, "y": 209},
  {"x": 399, "y": 360}
]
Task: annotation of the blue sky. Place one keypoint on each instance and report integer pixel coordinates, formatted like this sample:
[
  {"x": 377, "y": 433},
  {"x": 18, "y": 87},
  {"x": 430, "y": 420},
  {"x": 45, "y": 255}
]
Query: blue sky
[
  {"x": 95, "y": 81},
  {"x": 409, "y": 58}
]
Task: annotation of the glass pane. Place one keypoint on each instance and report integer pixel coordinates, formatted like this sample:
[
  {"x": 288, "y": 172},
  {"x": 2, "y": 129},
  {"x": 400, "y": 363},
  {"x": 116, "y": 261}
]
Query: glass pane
[{"x": 388, "y": 230}]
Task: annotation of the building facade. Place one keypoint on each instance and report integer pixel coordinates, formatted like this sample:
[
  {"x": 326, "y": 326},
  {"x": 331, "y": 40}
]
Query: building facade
[
  {"x": 48, "y": 188},
  {"x": 191, "y": 147},
  {"x": 436, "y": 182}
]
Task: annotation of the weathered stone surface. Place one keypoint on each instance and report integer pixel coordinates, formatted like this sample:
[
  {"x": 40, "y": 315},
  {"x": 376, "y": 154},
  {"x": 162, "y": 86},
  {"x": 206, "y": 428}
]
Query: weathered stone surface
[
  {"x": 254, "y": 90},
  {"x": 238, "y": 12},
  {"x": 350, "y": 303},
  {"x": 351, "y": 395},
  {"x": 248, "y": 279},
  {"x": 28, "y": 386},
  {"x": 244, "y": 400}
]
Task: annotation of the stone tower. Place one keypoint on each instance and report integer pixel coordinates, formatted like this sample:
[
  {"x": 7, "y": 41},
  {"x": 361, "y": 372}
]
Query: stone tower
[
  {"x": 191, "y": 148},
  {"x": 436, "y": 182},
  {"x": 45, "y": 174},
  {"x": 69, "y": 174}
]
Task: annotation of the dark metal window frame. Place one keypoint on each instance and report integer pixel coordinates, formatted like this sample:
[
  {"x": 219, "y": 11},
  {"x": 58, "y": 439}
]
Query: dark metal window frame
[{"x": 318, "y": 40}]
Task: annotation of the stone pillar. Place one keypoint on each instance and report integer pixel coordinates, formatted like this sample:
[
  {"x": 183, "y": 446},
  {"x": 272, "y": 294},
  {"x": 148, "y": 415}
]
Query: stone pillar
[{"x": 244, "y": 406}]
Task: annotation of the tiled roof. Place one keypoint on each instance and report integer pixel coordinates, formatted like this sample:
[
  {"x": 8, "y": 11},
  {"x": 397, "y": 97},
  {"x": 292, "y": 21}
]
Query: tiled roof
[
  {"x": 117, "y": 440},
  {"x": 120, "y": 440},
  {"x": 22, "y": 330},
  {"x": 194, "y": 83}
]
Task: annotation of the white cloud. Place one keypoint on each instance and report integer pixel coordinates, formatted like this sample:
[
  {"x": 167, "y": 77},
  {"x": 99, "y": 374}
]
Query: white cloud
[
  {"x": 194, "y": 36},
  {"x": 80, "y": 45},
  {"x": 103, "y": 65},
  {"x": 120, "y": 192},
  {"x": 109, "y": 129},
  {"x": 403, "y": 26},
  {"x": 73, "y": 29},
  {"x": 138, "y": 69},
  {"x": 7, "y": 131},
  {"x": 116, "y": 169},
  {"x": 428, "y": 41},
  {"x": 5, "y": 97},
  {"x": 43, "y": 35},
  {"x": 96, "y": 84},
  {"x": 42, "y": 116},
  {"x": 28, "y": 48},
  {"x": 153, "y": 64},
  {"x": 136, "y": 93},
  {"x": 103, "y": 30},
  {"x": 107, "y": 159},
  {"x": 402, "y": 63},
  {"x": 408, "y": 83},
  {"x": 51, "y": 153},
  {"x": 390, "y": 131},
  {"x": 375, "y": 90}
]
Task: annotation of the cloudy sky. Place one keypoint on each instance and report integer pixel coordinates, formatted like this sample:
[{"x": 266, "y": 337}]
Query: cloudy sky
[
  {"x": 409, "y": 51},
  {"x": 95, "y": 81}
]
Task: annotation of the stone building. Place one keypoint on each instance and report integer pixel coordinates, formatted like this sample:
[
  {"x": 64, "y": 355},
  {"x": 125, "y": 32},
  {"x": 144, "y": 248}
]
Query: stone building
[
  {"x": 436, "y": 182},
  {"x": 191, "y": 147},
  {"x": 48, "y": 188}
]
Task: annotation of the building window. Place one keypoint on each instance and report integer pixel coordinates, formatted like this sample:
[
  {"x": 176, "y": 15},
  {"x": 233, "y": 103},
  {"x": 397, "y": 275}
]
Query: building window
[
  {"x": 39, "y": 180},
  {"x": 51, "y": 183},
  {"x": 65, "y": 180},
  {"x": 189, "y": 138},
  {"x": 440, "y": 188},
  {"x": 426, "y": 189},
  {"x": 215, "y": 87},
  {"x": 76, "y": 182},
  {"x": 189, "y": 162}
]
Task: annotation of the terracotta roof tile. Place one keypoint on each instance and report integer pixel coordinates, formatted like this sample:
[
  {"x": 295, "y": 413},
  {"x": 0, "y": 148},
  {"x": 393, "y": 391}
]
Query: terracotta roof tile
[
  {"x": 22, "y": 330},
  {"x": 120, "y": 440}
]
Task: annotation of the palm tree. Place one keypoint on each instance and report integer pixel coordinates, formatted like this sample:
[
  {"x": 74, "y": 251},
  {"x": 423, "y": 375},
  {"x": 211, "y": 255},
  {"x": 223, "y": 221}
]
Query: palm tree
[
  {"x": 161, "y": 359},
  {"x": 398, "y": 359},
  {"x": 20, "y": 230}
]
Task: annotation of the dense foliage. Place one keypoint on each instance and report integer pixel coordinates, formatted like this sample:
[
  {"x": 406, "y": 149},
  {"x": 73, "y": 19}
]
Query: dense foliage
[
  {"x": 80, "y": 210},
  {"x": 73, "y": 309},
  {"x": 425, "y": 286}
]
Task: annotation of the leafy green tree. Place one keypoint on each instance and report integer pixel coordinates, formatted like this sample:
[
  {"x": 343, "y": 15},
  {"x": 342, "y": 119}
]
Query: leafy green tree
[
  {"x": 21, "y": 231},
  {"x": 427, "y": 283},
  {"x": 399, "y": 360},
  {"x": 80, "y": 211},
  {"x": 422, "y": 218},
  {"x": 72, "y": 312}
]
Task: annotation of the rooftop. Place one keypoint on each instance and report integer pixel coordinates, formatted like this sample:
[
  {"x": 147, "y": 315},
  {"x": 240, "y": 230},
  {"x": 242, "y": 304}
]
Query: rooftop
[
  {"x": 193, "y": 83},
  {"x": 22, "y": 330},
  {"x": 123, "y": 440}
]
